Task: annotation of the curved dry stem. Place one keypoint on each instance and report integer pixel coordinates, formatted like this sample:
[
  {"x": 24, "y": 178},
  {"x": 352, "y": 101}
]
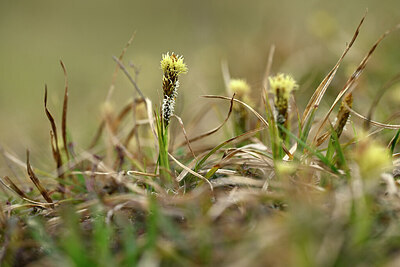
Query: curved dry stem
[
  {"x": 192, "y": 172},
  {"x": 242, "y": 103},
  {"x": 184, "y": 134},
  {"x": 117, "y": 67},
  {"x": 378, "y": 97},
  {"x": 213, "y": 130},
  {"x": 64, "y": 113}
]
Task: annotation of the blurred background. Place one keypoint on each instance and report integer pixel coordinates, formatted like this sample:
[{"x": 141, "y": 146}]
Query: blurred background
[{"x": 309, "y": 38}]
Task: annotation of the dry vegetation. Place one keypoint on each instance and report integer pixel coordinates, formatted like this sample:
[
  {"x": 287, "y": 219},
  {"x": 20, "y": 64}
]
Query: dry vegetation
[{"x": 290, "y": 188}]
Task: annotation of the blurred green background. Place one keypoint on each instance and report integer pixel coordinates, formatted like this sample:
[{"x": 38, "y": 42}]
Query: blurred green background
[{"x": 309, "y": 37}]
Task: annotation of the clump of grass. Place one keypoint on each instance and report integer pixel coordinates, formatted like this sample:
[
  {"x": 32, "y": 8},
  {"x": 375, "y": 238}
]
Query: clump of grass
[{"x": 255, "y": 199}]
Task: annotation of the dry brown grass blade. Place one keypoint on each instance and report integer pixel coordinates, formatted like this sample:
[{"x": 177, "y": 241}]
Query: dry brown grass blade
[
  {"x": 35, "y": 203},
  {"x": 6, "y": 156},
  {"x": 185, "y": 135},
  {"x": 323, "y": 86},
  {"x": 212, "y": 131},
  {"x": 242, "y": 103},
  {"x": 131, "y": 134},
  {"x": 375, "y": 123},
  {"x": 98, "y": 135},
  {"x": 121, "y": 115},
  {"x": 192, "y": 172},
  {"x": 55, "y": 147},
  {"x": 192, "y": 164},
  {"x": 226, "y": 74},
  {"x": 264, "y": 93},
  {"x": 36, "y": 181},
  {"x": 351, "y": 82},
  {"x": 378, "y": 97},
  {"x": 114, "y": 77},
  {"x": 150, "y": 116},
  {"x": 237, "y": 181},
  {"x": 135, "y": 125},
  {"x": 267, "y": 72},
  {"x": 151, "y": 182},
  {"x": 183, "y": 173},
  {"x": 230, "y": 153},
  {"x": 64, "y": 113},
  {"x": 123, "y": 68},
  {"x": 3, "y": 224},
  {"x": 14, "y": 187},
  {"x": 323, "y": 138},
  {"x": 16, "y": 190}
]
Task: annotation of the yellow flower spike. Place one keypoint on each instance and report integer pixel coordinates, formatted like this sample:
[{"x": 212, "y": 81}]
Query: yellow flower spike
[
  {"x": 173, "y": 63},
  {"x": 172, "y": 66},
  {"x": 240, "y": 87},
  {"x": 282, "y": 82},
  {"x": 281, "y": 86}
]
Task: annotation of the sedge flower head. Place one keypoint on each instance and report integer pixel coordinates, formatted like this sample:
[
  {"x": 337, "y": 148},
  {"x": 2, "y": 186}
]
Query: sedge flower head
[
  {"x": 372, "y": 158},
  {"x": 284, "y": 83},
  {"x": 240, "y": 87},
  {"x": 172, "y": 66}
]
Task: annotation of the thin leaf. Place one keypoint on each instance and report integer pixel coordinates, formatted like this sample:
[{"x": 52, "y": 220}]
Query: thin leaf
[
  {"x": 64, "y": 113},
  {"x": 36, "y": 181}
]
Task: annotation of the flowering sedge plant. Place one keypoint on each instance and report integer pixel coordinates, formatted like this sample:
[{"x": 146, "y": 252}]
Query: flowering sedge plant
[
  {"x": 172, "y": 66},
  {"x": 241, "y": 89},
  {"x": 281, "y": 87}
]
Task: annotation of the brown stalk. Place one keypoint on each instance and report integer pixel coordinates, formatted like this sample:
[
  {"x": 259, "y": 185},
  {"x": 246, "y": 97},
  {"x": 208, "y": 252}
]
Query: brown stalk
[
  {"x": 378, "y": 97},
  {"x": 117, "y": 67},
  {"x": 323, "y": 86},
  {"x": 351, "y": 82},
  {"x": 15, "y": 188},
  {"x": 375, "y": 123},
  {"x": 64, "y": 113},
  {"x": 185, "y": 135},
  {"x": 123, "y": 68},
  {"x": 55, "y": 148},
  {"x": 242, "y": 103},
  {"x": 268, "y": 72},
  {"x": 216, "y": 128},
  {"x": 36, "y": 181},
  {"x": 120, "y": 117}
]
